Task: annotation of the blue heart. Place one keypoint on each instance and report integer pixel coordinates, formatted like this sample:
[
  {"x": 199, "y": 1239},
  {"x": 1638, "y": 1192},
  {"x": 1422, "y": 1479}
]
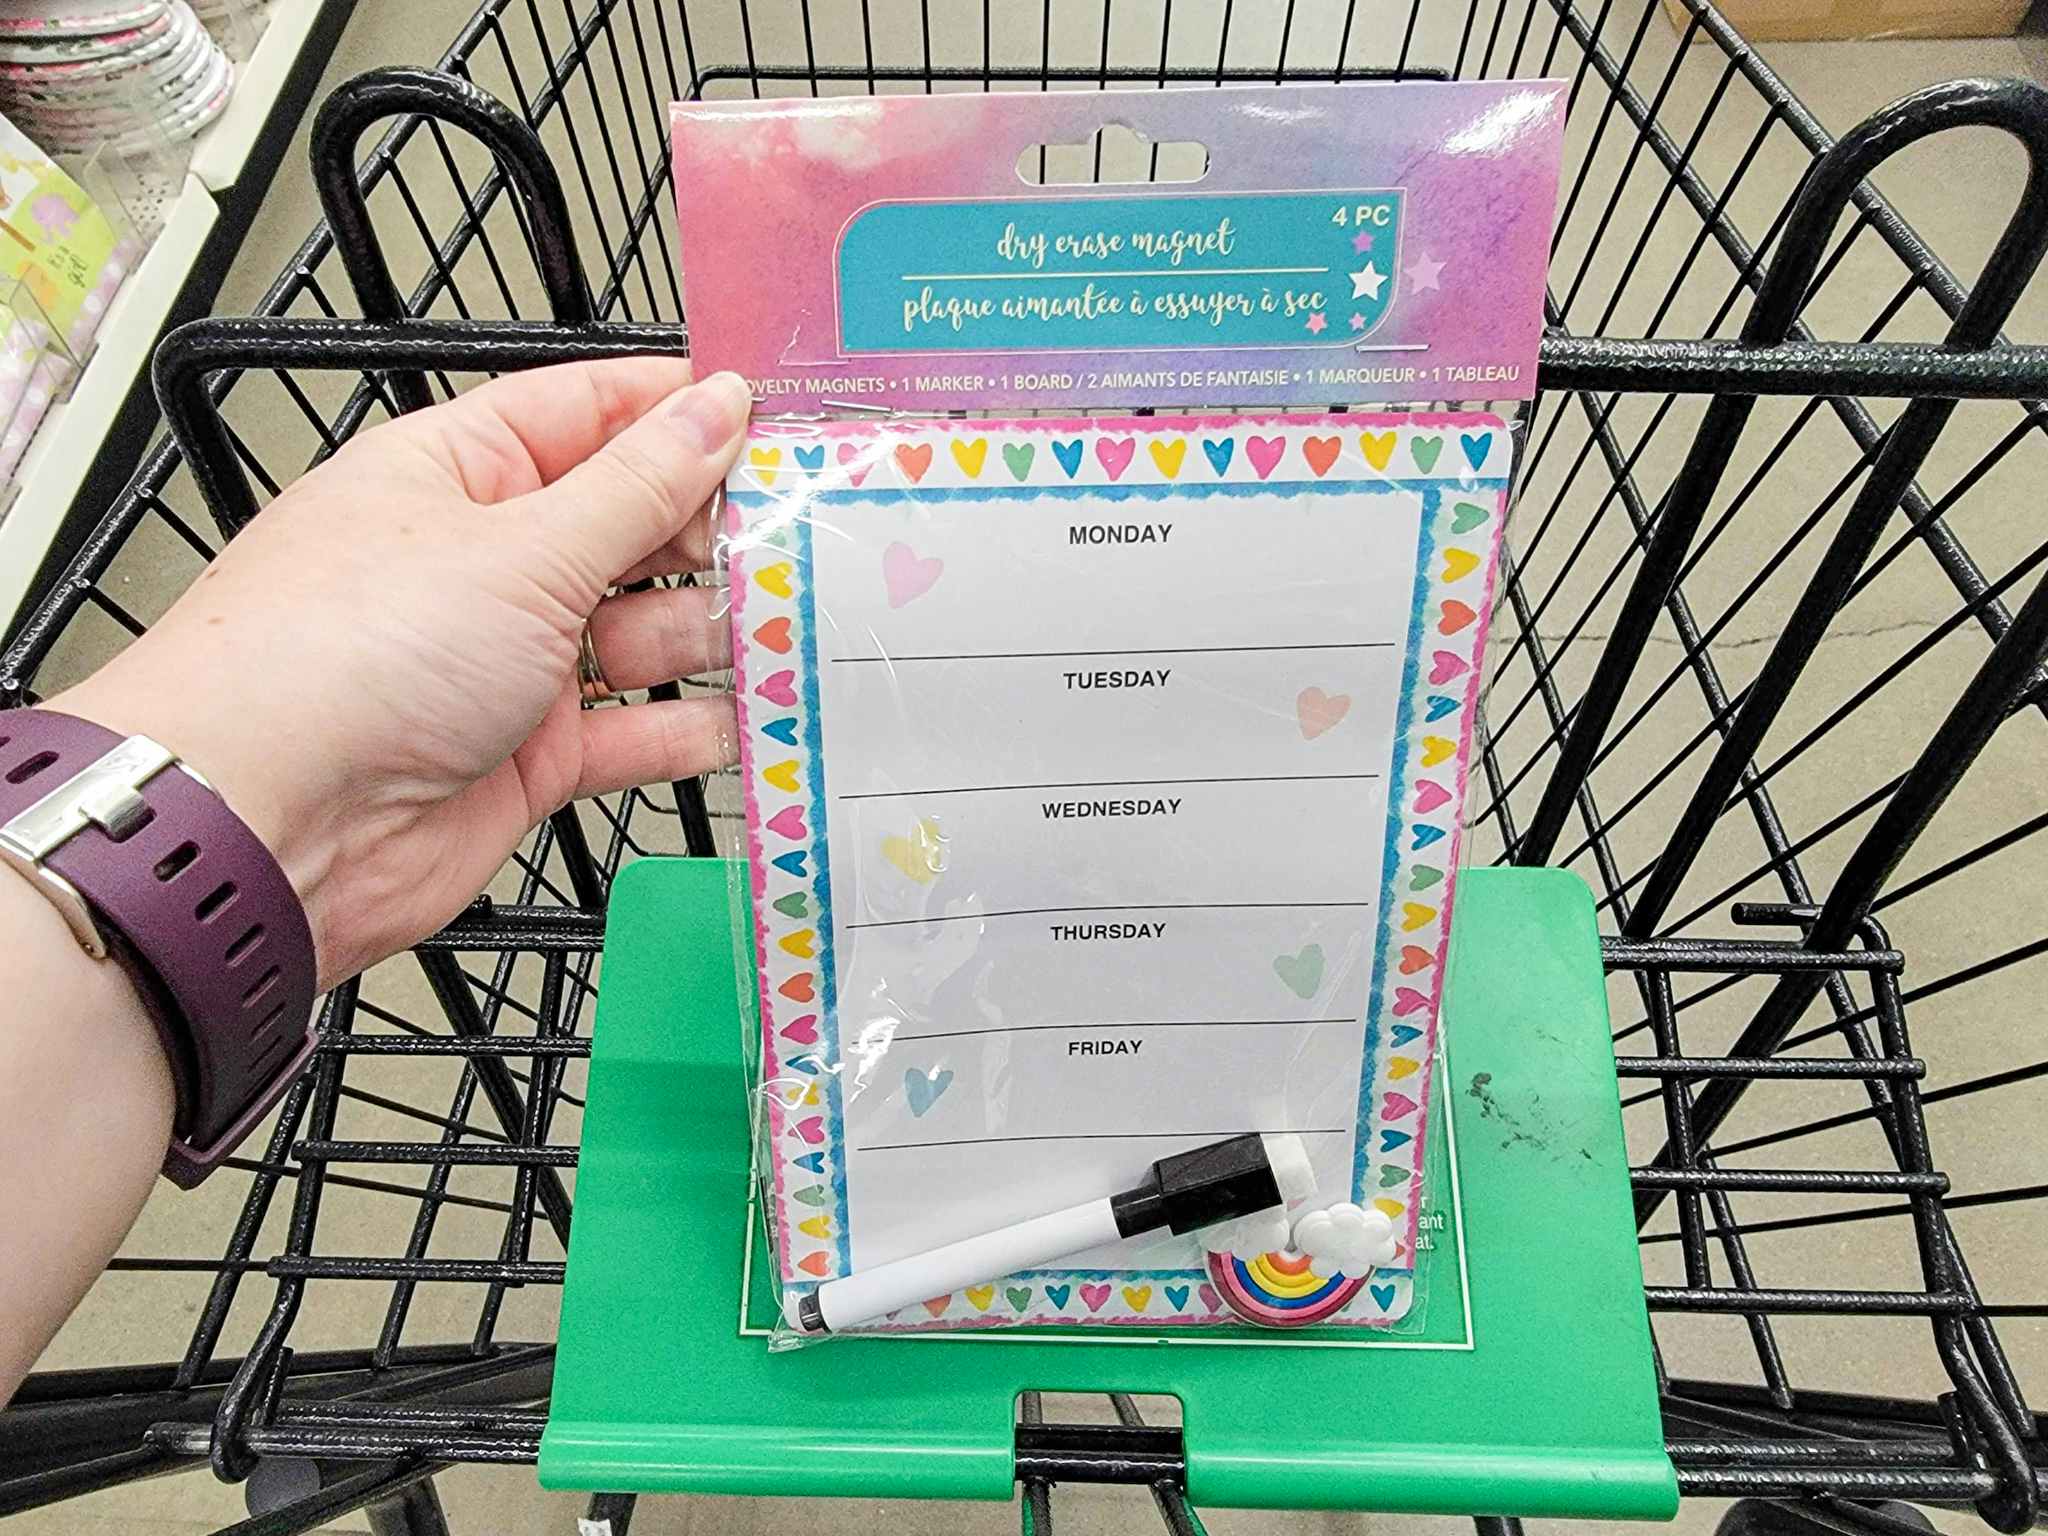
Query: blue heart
[
  {"x": 922, "y": 1091},
  {"x": 784, "y": 730},
  {"x": 813, "y": 1161},
  {"x": 811, "y": 458},
  {"x": 1392, "y": 1139},
  {"x": 807, "y": 1064},
  {"x": 1058, "y": 1294},
  {"x": 1476, "y": 445},
  {"x": 1383, "y": 1295},
  {"x": 1437, "y": 707},
  {"x": 1424, "y": 836},
  {"x": 1219, "y": 453},
  {"x": 1401, "y": 1034},
  {"x": 1178, "y": 1295},
  {"x": 1069, "y": 455},
  {"x": 793, "y": 861}
]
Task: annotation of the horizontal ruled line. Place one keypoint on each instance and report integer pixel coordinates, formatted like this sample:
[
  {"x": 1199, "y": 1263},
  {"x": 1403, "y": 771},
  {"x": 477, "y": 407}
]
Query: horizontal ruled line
[
  {"x": 990, "y": 1141},
  {"x": 1170, "y": 650},
  {"x": 983, "y": 789},
  {"x": 991, "y": 277},
  {"x": 1129, "y": 906},
  {"x": 1025, "y": 1029}
]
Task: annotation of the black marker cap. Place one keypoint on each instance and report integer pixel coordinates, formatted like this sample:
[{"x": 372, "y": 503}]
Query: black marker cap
[{"x": 1219, "y": 1182}]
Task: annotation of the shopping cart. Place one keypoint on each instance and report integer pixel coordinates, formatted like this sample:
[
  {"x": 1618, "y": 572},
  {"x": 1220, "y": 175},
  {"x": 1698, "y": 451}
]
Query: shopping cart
[{"x": 1773, "y": 825}]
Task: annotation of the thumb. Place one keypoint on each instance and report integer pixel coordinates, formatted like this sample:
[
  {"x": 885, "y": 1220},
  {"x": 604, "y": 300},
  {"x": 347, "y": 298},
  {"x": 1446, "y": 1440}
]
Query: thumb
[{"x": 639, "y": 490}]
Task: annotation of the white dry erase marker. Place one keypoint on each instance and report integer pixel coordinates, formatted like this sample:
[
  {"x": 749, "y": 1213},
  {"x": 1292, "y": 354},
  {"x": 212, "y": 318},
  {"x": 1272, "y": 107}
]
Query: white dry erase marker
[{"x": 1182, "y": 1193}]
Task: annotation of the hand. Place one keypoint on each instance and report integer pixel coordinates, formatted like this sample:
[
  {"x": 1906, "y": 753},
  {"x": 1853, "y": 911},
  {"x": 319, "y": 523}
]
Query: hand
[{"x": 378, "y": 674}]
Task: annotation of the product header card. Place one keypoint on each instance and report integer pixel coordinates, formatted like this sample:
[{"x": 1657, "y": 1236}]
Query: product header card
[{"x": 1345, "y": 243}]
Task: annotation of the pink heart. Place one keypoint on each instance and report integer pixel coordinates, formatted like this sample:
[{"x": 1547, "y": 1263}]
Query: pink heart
[
  {"x": 804, "y": 1031},
  {"x": 906, "y": 576},
  {"x": 1095, "y": 1296},
  {"x": 812, "y": 1130},
  {"x": 1445, "y": 665},
  {"x": 1429, "y": 795},
  {"x": 777, "y": 689},
  {"x": 1318, "y": 711},
  {"x": 1210, "y": 1300},
  {"x": 848, "y": 452},
  {"x": 789, "y": 821},
  {"x": 1406, "y": 1001},
  {"x": 1115, "y": 456},
  {"x": 1397, "y": 1106},
  {"x": 1264, "y": 453}
]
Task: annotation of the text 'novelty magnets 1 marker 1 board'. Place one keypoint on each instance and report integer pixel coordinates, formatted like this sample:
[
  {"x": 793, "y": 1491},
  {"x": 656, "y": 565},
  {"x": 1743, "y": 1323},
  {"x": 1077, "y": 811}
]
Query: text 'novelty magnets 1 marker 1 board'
[{"x": 1103, "y": 776}]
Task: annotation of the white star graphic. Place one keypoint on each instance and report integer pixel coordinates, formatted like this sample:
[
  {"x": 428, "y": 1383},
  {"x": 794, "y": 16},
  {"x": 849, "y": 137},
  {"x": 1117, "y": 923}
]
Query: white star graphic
[
  {"x": 1423, "y": 275},
  {"x": 1365, "y": 284}
]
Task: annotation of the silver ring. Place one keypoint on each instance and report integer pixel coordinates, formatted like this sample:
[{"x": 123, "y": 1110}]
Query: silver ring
[{"x": 590, "y": 678}]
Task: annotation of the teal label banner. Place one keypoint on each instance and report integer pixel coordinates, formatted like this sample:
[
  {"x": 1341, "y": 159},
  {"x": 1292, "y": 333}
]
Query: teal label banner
[{"x": 1116, "y": 274}]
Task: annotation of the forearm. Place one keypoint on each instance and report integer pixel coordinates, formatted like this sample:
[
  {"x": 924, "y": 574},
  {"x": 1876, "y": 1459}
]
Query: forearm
[{"x": 86, "y": 1103}]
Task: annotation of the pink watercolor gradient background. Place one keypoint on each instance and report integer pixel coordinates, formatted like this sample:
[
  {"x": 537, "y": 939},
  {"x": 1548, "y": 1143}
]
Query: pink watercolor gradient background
[{"x": 763, "y": 189}]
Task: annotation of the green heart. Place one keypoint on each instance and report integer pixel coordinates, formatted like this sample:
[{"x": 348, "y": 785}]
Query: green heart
[
  {"x": 1302, "y": 972},
  {"x": 1019, "y": 456},
  {"x": 1018, "y": 1296},
  {"x": 1390, "y": 1176},
  {"x": 791, "y": 905},
  {"x": 1422, "y": 877},
  {"x": 1425, "y": 450},
  {"x": 811, "y": 1194},
  {"x": 1466, "y": 516}
]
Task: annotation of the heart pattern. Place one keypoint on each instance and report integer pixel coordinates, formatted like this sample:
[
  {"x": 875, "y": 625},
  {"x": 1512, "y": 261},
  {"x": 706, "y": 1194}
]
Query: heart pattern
[
  {"x": 1302, "y": 971},
  {"x": 1318, "y": 711},
  {"x": 909, "y": 574},
  {"x": 923, "y": 1089},
  {"x": 1018, "y": 457}
]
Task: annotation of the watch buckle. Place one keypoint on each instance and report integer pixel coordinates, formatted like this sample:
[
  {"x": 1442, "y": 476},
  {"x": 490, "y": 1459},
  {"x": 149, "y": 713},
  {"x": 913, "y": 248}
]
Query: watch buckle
[{"x": 107, "y": 794}]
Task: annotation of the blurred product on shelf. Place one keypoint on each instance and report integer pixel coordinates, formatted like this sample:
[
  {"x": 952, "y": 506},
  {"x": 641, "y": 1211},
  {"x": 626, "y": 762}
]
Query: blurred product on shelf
[
  {"x": 135, "y": 74},
  {"x": 63, "y": 256}
]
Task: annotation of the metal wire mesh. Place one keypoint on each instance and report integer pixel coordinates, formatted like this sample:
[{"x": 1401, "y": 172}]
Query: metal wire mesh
[{"x": 1838, "y": 1317}]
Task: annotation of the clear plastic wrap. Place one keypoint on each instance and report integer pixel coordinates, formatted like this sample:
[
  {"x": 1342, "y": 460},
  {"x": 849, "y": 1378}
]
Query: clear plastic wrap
[{"x": 1103, "y": 782}]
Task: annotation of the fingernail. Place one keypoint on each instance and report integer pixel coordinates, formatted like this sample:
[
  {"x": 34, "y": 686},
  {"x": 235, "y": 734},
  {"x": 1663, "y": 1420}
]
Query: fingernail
[{"x": 710, "y": 413}]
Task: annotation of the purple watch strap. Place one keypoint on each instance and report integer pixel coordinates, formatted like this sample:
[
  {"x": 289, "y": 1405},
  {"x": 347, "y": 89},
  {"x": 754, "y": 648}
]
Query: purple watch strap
[{"x": 206, "y": 920}]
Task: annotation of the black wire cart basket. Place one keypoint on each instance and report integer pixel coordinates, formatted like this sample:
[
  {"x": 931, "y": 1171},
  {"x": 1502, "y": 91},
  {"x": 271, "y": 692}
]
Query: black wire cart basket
[{"x": 1768, "y": 673}]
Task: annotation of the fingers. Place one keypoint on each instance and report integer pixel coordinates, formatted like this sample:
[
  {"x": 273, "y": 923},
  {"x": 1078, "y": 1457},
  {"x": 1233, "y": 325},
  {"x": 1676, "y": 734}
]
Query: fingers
[
  {"x": 654, "y": 742},
  {"x": 526, "y": 430},
  {"x": 685, "y": 554},
  {"x": 644, "y": 638},
  {"x": 638, "y": 492}
]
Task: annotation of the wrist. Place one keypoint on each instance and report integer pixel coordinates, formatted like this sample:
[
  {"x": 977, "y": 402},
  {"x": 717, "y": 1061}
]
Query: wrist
[{"x": 228, "y": 748}]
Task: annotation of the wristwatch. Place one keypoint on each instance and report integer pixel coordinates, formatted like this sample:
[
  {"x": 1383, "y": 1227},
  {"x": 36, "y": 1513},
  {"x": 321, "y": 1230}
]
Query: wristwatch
[{"x": 151, "y": 868}]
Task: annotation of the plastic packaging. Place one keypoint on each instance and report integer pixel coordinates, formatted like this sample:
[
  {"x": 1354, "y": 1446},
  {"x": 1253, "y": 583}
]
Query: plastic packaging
[{"x": 1102, "y": 775}]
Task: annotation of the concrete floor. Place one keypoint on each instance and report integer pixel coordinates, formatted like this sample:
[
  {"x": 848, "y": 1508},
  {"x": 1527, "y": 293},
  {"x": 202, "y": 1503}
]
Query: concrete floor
[{"x": 1956, "y": 192}]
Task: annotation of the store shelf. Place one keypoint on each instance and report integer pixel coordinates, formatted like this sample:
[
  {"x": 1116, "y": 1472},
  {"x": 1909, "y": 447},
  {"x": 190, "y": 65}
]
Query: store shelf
[
  {"x": 87, "y": 447},
  {"x": 55, "y": 467},
  {"x": 223, "y": 150}
]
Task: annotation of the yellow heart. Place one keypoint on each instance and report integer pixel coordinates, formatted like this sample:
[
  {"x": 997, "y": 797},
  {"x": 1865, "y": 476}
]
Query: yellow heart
[
  {"x": 1414, "y": 915},
  {"x": 1167, "y": 454},
  {"x": 1137, "y": 1296},
  {"x": 1459, "y": 563},
  {"x": 775, "y": 578},
  {"x": 765, "y": 460},
  {"x": 817, "y": 1226},
  {"x": 981, "y": 1296},
  {"x": 1401, "y": 1066},
  {"x": 918, "y": 856},
  {"x": 971, "y": 456},
  {"x": 805, "y": 1096},
  {"x": 1379, "y": 448},
  {"x": 1434, "y": 750},
  {"x": 783, "y": 775},
  {"x": 799, "y": 943},
  {"x": 1393, "y": 1208}
]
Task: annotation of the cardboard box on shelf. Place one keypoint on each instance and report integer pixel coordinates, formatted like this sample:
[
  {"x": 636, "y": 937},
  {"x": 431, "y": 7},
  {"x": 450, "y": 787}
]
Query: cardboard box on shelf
[{"x": 1764, "y": 21}]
